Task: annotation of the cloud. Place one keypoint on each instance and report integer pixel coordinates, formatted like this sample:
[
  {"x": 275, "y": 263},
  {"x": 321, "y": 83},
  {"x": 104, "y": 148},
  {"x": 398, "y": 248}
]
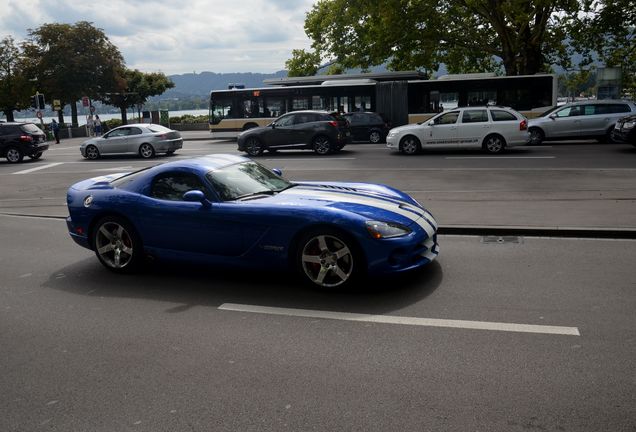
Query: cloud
[{"x": 175, "y": 37}]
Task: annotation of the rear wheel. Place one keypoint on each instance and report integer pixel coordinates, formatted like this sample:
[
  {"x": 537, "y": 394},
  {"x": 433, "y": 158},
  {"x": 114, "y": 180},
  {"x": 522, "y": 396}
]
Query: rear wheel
[
  {"x": 494, "y": 144},
  {"x": 329, "y": 259},
  {"x": 146, "y": 151},
  {"x": 375, "y": 137},
  {"x": 410, "y": 145},
  {"x": 117, "y": 245},
  {"x": 36, "y": 156},
  {"x": 253, "y": 147},
  {"x": 14, "y": 155},
  {"x": 92, "y": 152},
  {"x": 322, "y": 145}
]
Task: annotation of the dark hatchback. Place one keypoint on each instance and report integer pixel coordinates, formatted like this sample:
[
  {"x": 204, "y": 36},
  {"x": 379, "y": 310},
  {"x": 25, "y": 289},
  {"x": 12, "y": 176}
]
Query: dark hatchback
[
  {"x": 625, "y": 130},
  {"x": 21, "y": 139},
  {"x": 367, "y": 126},
  {"x": 320, "y": 131}
]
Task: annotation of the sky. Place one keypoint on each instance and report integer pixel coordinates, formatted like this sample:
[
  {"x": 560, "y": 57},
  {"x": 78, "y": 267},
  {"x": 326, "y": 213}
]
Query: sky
[{"x": 178, "y": 36}]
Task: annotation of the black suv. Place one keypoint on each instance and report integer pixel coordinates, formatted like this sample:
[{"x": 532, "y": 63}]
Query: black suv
[
  {"x": 319, "y": 131},
  {"x": 367, "y": 126},
  {"x": 625, "y": 130},
  {"x": 21, "y": 139}
]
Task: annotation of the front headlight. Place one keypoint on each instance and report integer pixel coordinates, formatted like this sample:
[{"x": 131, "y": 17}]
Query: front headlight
[
  {"x": 629, "y": 125},
  {"x": 380, "y": 230}
]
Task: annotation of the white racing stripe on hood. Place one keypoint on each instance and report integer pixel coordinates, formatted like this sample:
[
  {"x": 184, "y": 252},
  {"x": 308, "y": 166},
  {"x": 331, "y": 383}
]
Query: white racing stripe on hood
[{"x": 368, "y": 201}]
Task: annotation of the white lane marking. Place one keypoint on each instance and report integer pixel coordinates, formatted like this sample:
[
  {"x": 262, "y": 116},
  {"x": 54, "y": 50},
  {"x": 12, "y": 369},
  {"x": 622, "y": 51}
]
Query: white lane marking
[
  {"x": 313, "y": 159},
  {"x": 391, "y": 319},
  {"x": 500, "y": 157},
  {"x": 26, "y": 171},
  {"x": 121, "y": 168}
]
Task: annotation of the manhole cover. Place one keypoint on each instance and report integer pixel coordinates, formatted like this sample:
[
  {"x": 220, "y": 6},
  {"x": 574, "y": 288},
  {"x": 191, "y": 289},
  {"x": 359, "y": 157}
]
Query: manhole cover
[{"x": 502, "y": 239}]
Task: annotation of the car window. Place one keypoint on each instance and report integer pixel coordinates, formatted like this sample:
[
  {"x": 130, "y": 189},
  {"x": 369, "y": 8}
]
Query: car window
[
  {"x": 475, "y": 116},
  {"x": 135, "y": 131},
  {"x": 619, "y": 108},
  {"x": 304, "y": 118},
  {"x": 572, "y": 111},
  {"x": 171, "y": 186},
  {"x": 158, "y": 128},
  {"x": 447, "y": 118},
  {"x": 589, "y": 109},
  {"x": 285, "y": 121},
  {"x": 500, "y": 115},
  {"x": 118, "y": 132},
  {"x": 30, "y": 128}
]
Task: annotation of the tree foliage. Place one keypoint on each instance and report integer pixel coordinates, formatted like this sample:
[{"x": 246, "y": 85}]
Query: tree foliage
[
  {"x": 70, "y": 61},
  {"x": 15, "y": 88},
  {"x": 135, "y": 88},
  {"x": 466, "y": 35},
  {"x": 302, "y": 63}
]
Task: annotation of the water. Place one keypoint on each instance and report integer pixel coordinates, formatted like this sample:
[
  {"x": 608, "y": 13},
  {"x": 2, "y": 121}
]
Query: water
[{"x": 27, "y": 116}]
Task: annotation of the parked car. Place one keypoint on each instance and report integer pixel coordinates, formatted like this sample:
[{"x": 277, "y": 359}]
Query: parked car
[
  {"x": 367, "y": 126},
  {"x": 19, "y": 139},
  {"x": 625, "y": 130},
  {"x": 579, "y": 120},
  {"x": 230, "y": 210},
  {"x": 319, "y": 131},
  {"x": 490, "y": 128},
  {"x": 143, "y": 139}
]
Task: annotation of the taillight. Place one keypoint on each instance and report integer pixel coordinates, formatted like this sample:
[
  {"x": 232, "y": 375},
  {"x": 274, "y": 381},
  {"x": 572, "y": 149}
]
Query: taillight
[
  {"x": 163, "y": 136},
  {"x": 333, "y": 123},
  {"x": 523, "y": 125},
  {"x": 26, "y": 138}
]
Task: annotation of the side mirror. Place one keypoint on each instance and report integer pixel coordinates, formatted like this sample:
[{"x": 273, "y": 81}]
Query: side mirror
[
  {"x": 553, "y": 116},
  {"x": 196, "y": 196},
  {"x": 277, "y": 171},
  {"x": 431, "y": 123},
  {"x": 272, "y": 125}
]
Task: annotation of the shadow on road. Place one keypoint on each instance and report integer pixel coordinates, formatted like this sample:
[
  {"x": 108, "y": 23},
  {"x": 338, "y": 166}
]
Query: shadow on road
[{"x": 188, "y": 286}]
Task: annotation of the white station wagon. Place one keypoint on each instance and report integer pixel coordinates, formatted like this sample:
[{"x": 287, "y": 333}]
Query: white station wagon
[{"x": 490, "y": 128}]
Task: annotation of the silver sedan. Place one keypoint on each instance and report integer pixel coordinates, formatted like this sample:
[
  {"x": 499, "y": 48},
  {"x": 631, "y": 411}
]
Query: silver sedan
[{"x": 142, "y": 139}]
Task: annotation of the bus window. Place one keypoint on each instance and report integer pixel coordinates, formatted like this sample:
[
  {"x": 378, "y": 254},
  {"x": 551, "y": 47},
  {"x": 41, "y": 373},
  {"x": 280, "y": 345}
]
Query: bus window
[
  {"x": 482, "y": 98},
  {"x": 300, "y": 103},
  {"x": 318, "y": 103},
  {"x": 221, "y": 108},
  {"x": 253, "y": 108},
  {"x": 274, "y": 107}
]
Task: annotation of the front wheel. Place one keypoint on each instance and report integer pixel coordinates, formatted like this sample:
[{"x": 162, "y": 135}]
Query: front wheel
[
  {"x": 92, "y": 152},
  {"x": 494, "y": 144},
  {"x": 117, "y": 245},
  {"x": 322, "y": 145},
  {"x": 146, "y": 151},
  {"x": 14, "y": 155},
  {"x": 409, "y": 145},
  {"x": 253, "y": 147},
  {"x": 328, "y": 259},
  {"x": 536, "y": 136}
]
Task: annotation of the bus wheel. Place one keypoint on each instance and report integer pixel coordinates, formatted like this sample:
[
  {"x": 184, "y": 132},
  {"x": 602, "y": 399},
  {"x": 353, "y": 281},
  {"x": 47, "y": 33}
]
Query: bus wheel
[
  {"x": 253, "y": 147},
  {"x": 410, "y": 145}
]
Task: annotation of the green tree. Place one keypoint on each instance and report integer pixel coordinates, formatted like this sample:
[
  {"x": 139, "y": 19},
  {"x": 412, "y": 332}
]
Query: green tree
[
  {"x": 15, "y": 88},
  {"x": 607, "y": 33},
  {"x": 70, "y": 61},
  {"x": 135, "y": 89},
  {"x": 302, "y": 63},
  {"x": 466, "y": 35}
]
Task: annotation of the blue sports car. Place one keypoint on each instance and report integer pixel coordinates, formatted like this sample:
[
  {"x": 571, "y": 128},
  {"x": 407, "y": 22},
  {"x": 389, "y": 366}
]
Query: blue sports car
[{"x": 227, "y": 209}]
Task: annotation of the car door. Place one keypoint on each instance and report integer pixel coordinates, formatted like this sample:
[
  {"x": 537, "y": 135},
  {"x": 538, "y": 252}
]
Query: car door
[
  {"x": 172, "y": 224},
  {"x": 473, "y": 127},
  {"x": 442, "y": 131},
  {"x": 566, "y": 122},
  {"x": 305, "y": 127},
  {"x": 282, "y": 132},
  {"x": 115, "y": 141},
  {"x": 135, "y": 138},
  {"x": 358, "y": 126}
]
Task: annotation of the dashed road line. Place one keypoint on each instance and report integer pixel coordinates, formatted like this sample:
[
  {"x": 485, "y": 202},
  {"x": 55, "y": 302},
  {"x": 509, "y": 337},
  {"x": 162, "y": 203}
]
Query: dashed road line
[
  {"x": 38, "y": 168},
  {"x": 401, "y": 320},
  {"x": 500, "y": 157}
]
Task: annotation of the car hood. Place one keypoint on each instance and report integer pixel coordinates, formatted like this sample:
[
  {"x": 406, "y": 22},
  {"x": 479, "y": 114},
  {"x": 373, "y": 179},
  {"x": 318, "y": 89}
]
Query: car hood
[
  {"x": 406, "y": 128},
  {"x": 373, "y": 202}
]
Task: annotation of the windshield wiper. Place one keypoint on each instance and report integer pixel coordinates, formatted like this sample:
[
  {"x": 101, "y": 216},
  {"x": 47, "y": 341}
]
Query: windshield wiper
[{"x": 263, "y": 192}]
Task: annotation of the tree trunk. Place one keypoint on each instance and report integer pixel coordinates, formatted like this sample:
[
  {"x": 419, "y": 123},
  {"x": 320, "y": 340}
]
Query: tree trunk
[
  {"x": 60, "y": 115},
  {"x": 74, "y": 114},
  {"x": 9, "y": 114},
  {"x": 124, "y": 118}
]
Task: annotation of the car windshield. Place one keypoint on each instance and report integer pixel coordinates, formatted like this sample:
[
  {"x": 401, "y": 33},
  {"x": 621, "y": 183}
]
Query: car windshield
[{"x": 246, "y": 179}]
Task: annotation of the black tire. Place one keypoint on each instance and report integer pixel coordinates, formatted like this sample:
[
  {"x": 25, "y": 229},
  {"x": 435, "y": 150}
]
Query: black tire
[
  {"x": 375, "y": 137},
  {"x": 536, "y": 136},
  {"x": 36, "y": 156},
  {"x": 607, "y": 138},
  {"x": 322, "y": 145},
  {"x": 410, "y": 145},
  {"x": 169, "y": 152},
  {"x": 91, "y": 152},
  {"x": 117, "y": 245},
  {"x": 146, "y": 151},
  {"x": 327, "y": 259},
  {"x": 253, "y": 147},
  {"x": 494, "y": 144},
  {"x": 14, "y": 155}
]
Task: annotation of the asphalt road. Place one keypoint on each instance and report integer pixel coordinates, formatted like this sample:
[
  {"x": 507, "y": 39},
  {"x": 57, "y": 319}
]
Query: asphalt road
[{"x": 527, "y": 334}]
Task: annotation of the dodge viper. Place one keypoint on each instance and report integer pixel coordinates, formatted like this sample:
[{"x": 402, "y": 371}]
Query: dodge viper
[{"x": 230, "y": 210}]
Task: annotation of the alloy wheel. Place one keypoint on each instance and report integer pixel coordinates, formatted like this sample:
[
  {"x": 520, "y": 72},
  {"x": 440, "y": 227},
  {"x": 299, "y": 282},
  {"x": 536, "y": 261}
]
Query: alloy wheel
[
  {"x": 92, "y": 152},
  {"x": 375, "y": 137},
  {"x": 327, "y": 261},
  {"x": 410, "y": 146},
  {"x": 494, "y": 144},
  {"x": 253, "y": 147},
  {"x": 146, "y": 151},
  {"x": 14, "y": 155},
  {"x": 114, "y": 245},
  {"x": 322, "y": 145}
]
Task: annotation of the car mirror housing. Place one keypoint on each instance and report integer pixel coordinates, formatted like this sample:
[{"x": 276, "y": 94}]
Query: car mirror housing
[
  {"x": 277, "y": 171},
  {"x": 553, "y": 116},
  {"x": 431, "y": 123},
  {"x": 196, "y": 196},
  {"x": 273, "y": 125}
]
